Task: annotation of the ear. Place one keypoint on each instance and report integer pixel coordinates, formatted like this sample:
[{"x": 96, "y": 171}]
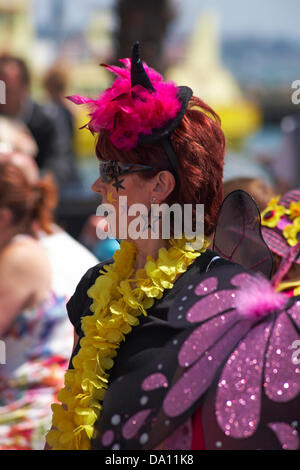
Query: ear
[
  {"x": 6, "y": 217},
  {"x": 164, "y": 184}
]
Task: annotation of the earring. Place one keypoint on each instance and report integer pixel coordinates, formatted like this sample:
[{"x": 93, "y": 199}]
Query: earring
[{"x": 153, "y": 199}]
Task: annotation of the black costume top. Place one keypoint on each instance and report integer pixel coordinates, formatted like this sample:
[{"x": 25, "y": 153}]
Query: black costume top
[{"x": 79, "y": 306}]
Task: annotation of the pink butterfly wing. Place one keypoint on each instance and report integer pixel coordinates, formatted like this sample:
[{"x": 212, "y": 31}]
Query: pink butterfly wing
[
  {"x": 288, "y": 436},
  {"x": 134, "y": 423},
  {"x": 204, "y": 337},
  {"x": 199, "y": 377},
  {"x": 282, "y": 376},
  {"x": 211, "y": 305},
  {"x": 239, "y": 389},
  {"x": 294, "y": 312}
]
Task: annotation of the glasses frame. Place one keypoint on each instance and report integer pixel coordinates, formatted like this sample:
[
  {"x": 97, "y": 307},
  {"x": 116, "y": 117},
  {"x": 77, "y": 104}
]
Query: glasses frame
[{"x": 118, "y": 168}]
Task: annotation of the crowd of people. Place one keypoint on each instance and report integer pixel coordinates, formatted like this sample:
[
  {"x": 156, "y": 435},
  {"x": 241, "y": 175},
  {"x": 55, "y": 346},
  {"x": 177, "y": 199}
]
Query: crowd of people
[
  {"x": 43, "y": 323},
  {"x": 50, "y": 124}
]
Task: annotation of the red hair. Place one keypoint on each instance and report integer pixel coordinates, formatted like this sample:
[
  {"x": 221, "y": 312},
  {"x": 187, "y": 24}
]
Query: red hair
[
  {"x": 199, "y": 145},
  {"x": 28, "y": 203}
]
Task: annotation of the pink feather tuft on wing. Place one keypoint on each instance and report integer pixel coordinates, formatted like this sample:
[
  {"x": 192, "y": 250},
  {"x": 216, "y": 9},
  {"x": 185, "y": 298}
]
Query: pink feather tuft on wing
[{"x": 257, "y": 298}]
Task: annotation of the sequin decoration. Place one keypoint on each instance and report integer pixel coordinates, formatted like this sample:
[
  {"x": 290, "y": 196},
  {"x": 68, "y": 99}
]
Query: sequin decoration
[
  {"x": 154, "y": 381},
  {"x": 144, "y": 400},
  {"x": 211, "y": 305},
  {"x": 107, "y": 438},
  {"x": 239, "y": 389},
  {"x": 288, "y": 437},
  {"x": 198, "y": 378},
  {"x": 282, "y": 377},
  {"x": 115, "y": 420},
  {"x": 204, "y": 337},
  {"x": 207, "y": 286},
  {"x": 133, "y": 424},
  {"x": 144, "y": 438}
]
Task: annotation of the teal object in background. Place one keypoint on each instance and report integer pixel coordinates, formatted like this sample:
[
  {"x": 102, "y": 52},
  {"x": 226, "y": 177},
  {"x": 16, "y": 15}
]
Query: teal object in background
[{"x": 105, "y": 249}]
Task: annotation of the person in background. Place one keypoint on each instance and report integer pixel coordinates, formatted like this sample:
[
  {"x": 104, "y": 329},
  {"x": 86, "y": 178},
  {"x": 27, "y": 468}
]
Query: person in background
[
  {"x": 33, "y": 322},
  {"x": 39, "y": 266},
  {"x": 55, "y": 84},
  {"x": 16, "y": 136},
  {"x": 285, "y": 165},
  {"x": 61, "y": 247},
  {"x": 103, "y": 249},
  {"x": 37, "y": 276},
  {"x": 20, "y": 107},
  {"x": 256, "y": 187}
]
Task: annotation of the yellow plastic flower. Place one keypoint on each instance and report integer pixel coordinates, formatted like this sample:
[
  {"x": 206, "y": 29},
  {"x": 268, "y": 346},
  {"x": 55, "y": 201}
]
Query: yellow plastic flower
[
  {"x": 115, "y": 310},
  {"x": 273, "y": 213},
  {"x": 292, "y": 232},
  {"x": 295, "y": 209}
]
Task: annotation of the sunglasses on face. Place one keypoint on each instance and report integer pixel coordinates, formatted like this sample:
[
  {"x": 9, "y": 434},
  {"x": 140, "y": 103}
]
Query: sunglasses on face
[{"x": 111, "y": 169}]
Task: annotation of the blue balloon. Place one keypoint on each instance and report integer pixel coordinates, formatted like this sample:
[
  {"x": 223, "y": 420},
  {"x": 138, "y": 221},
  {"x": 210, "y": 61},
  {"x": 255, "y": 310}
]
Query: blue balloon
[{"x": 105, "y": 249}]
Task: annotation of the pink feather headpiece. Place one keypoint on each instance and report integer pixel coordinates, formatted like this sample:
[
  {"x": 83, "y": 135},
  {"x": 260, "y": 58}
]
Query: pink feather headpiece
[{"x": 139, "y": 103}]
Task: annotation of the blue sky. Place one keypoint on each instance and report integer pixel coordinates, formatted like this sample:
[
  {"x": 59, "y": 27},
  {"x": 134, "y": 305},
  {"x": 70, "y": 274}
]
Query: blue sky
[{"x": 263, "y": 18}]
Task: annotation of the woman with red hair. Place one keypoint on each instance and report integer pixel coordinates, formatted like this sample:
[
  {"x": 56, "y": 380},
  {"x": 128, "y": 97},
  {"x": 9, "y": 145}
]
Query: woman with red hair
[
  {"x": 35, "y": 283},
  {"x": 134, "y": 381},
  {"x": 32, "y": 314}
]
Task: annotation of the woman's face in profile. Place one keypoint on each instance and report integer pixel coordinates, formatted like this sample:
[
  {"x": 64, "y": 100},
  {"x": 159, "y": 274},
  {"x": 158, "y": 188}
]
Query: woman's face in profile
[{"x": 119, "y": 195}]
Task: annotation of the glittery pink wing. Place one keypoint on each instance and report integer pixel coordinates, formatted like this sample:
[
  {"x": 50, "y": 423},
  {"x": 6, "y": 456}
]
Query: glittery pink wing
[
  {"x": 197, "y": 379},
  {"x": 282, "y": 376},
  {"x": 263, "y": 357},
  {"x": 204, "y": 350},
  {"x": 204, "y": 299},
  {"x": 287, "y": 435},
  {"x": 239, "y": 391}
]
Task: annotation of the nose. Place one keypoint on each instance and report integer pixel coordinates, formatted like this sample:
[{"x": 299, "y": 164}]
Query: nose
[{"x": 98, "y": 186}]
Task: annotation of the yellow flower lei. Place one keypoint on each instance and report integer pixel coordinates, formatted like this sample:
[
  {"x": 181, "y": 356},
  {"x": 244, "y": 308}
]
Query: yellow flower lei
[{"x": 116, "y": 307}]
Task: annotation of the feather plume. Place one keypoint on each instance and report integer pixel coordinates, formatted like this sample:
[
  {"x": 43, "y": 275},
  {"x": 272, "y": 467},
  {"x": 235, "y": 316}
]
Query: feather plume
[
  {"x": 257, "y": 298},
  {"x": 125, "y": 112}
]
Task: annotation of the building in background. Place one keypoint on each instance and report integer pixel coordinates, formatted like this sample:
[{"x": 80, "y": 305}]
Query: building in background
[
  {"x": 202, "y": 70},
  {"x": 16, "y": 28}
]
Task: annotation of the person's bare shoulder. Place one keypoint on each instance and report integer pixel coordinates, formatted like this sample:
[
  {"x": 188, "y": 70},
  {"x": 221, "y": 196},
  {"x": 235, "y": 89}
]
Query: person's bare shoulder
[
  {"x": 26, "y": 255},
  {"x": 25, "y": 275}
]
